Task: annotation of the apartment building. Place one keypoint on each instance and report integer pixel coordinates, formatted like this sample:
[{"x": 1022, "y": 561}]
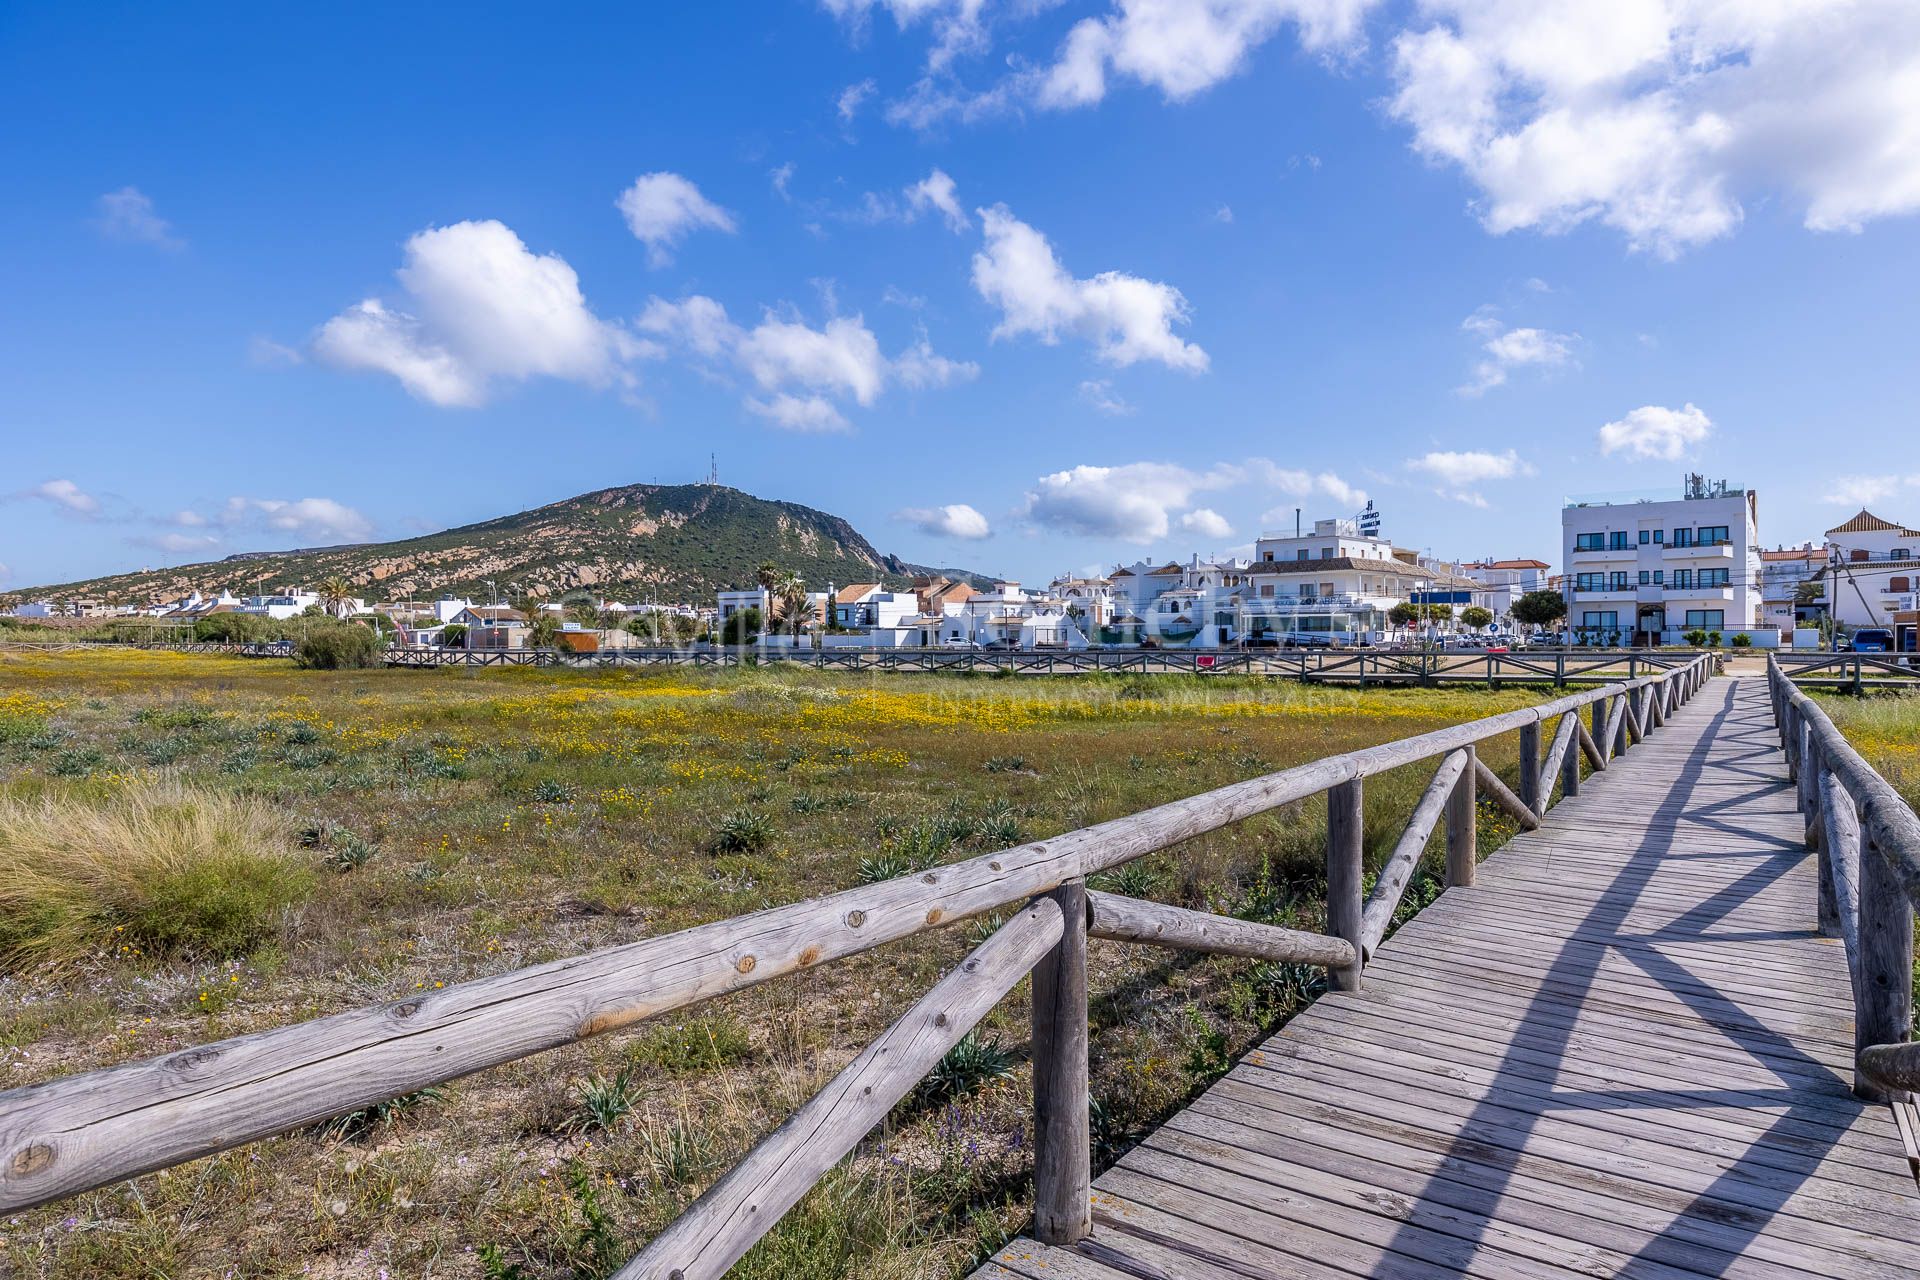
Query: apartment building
[
  {"x": 1872, "y": 571},
  {"x": 1643, "y": 570}
]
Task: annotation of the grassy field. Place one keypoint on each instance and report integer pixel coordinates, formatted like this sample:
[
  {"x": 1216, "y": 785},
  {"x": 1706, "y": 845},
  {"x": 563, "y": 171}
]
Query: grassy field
[
  {"x": 195, "y": 847},
  {"x": 1885, "y": 728}
]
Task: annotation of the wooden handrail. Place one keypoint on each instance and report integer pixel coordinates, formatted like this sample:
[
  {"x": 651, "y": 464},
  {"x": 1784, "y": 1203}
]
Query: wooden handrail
[
  {"x": 83, "y": 1131},
  {"x": 1122, "y": 919},
  {"x": 744, "y": 1205},
  {"x": 1869, "y": 845},
  {"x": 1398, "y": 870}
]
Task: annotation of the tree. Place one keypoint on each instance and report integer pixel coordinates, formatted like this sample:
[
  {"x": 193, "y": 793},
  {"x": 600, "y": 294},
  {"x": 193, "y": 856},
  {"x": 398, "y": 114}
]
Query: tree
[
  {"x": 767, "y": 575},
  {"x": 790, "y": 592},
  {"x": 1812, "y": 591},
  {"x": 584, "y": 612},
  {"x": 453, "y": 636},
  {"x": 741, "y": 626},
  {"x": 335, "y": 593},
  {"x": 336, "y": 646},
  {"x": 231, "y": 628},
  {"x": 1540, "y": 608},
  {"x": 1476, "y": 617},
  {"x": 1403, "y": 614},
  {"x": 544, "y": 631}
]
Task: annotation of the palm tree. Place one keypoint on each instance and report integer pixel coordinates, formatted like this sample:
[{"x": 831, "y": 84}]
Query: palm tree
[
  {"x": 791, "y": 593},
  {"x": 584, "y": 613},
  {"x": 767, "y": 575},
  {"x": 336, "y": 594}
]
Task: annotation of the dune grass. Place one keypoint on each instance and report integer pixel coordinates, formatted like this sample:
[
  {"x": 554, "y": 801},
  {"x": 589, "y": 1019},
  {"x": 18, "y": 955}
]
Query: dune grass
[{"x": 161, "y": 869}]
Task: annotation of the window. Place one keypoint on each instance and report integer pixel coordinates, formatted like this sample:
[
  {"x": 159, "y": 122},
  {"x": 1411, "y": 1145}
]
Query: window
[
  {"x": 1589, "y": 581},
  {"x": 1618, "y": 541},
  {"x": 1706, "y": 619},
  {"x": 1587, "y": 542},
  {"x": 1659, "y": 575},
  {"x": 1645, "y": 577},
  {"x": 1598, "y": 620},
  {"x": 1898, "y": 586},
  {"x": 1266, "y": 590},
  {"x": 1326, "y": 553},
  {"x": 1713, "y": 577},
  {"x": 1682, "y": 538},
  {"x": 1682, "y": 579},
  {"x": 1858, "y": 554},
  {"x": 1713, "y": 535},
  {"x": 1617, "y": 581},
  {"x": 1659, "y": 537},
  {"x": 1898, "y": 553},
  {"x": 1302, "y": 555},
  {"x": 1267, "y": 556},
  {"x": 1646, "y": 536}
]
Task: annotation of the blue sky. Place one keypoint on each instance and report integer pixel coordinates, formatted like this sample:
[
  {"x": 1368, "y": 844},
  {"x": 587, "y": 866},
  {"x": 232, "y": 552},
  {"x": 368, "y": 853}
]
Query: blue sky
[{"x": 1022, "y": 286}]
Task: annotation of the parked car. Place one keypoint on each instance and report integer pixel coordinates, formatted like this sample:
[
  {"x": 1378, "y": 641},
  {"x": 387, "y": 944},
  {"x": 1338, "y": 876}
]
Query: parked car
[{"x": 1873, "y": 640}]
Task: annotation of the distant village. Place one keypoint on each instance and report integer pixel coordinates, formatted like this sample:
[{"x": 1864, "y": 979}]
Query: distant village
[{"x": 1634, "y": 570}]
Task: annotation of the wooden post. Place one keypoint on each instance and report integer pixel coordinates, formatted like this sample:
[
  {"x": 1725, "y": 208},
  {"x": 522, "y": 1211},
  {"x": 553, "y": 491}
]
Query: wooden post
[
  {"x": 1883, "y": 981},
  {"x": 1345, "y": 849},
  {"x": 1809, "y": 781},
  {"x": 1791, "y": 747},
  {"x": 1463, "y": 855},
  {"x": 1570, "y": 764},
  {"x": 1829, "y": 905},
  {"x": 1530, "y": 765},
  {"x": 1600, "y": 739},
  {"x": 1062, "y": 1142}
]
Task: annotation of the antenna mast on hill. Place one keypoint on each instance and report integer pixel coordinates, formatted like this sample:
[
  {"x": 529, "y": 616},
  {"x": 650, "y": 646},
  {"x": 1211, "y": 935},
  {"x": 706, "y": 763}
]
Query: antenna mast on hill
[{"x": 713, "y": 471}]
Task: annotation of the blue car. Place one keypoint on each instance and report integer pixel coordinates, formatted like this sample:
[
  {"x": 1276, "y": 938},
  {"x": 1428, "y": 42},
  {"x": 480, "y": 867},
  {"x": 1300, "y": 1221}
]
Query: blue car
[{"x": 1873, "y": 640}]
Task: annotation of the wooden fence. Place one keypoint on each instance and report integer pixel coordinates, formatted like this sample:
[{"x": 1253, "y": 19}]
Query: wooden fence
[
  {"x": 1855, "y": 671},
  {"x": 1556, "y": 667},
  {"x": 1869, "y": 845},
  {"x": 84, "y": 1131}
]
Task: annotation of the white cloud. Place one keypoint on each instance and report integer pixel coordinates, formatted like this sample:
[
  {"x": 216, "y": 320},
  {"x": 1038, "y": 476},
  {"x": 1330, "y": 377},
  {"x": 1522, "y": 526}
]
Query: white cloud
[
  {"x": 848, "y": 103},
  {"x": 176, "y": 543},
  {"x": 661, "y": 208},
  {"x": 780, "y": 177},
  {"x": 1457, "y": 472},
  {"x": 936, "y": 191},
  {"x": 1864, "y": 491},
  {"x": 1223, "y": 214},
  {"x": 1652, "y": 431},
  {"x": 270, "y": 354},
  {"x": 311, "y": 519},
  {"x": 955, "y": 520},
  {"x": 1099, "y": 393},
  {"x": 799, "y": 413},
  {"x": 1183, "y": 47},
  {"x": 1656, "y": 116},
  {"x": 1508, "y": 349},
  {"x": 1131, "y": 502},
  {"x": 188, "y": 519},
  {"x": 1304, "y": 484},
  {"x": 1206, "y": 522},
  {"x": 127, "y": 215},
  {"x": 804, "y": 365},
  {"x": 1128, "y": 319},
  {"x": 919, "y": 367},
  {"x": 484, "y": 309},
  {"x": 68, "y": 496}
]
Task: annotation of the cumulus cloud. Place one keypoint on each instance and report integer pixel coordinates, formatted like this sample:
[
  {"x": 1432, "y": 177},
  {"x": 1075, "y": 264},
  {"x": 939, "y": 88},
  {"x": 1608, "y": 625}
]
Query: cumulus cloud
[
  {"x": 662, "y": 208},
  {"x": 1506, "y": 349},
  {"x": 127, "y": 215},
  {"x": 936, "y": 191},
  {"x": 955, "y": 520},
  {"x": 1206, "y": 522},
  {"x": 802, "y": 366},
  {"x": 481, "y": 308},
  {"x": 1652, "y": 431},
  {"x": 1183, "y": 47},
  {"x": 176, "y": 543},
  {"x": 1864, "y": 491},
  {"x": 799, "y": 413},
  {"x": 1099, "y": 393},
  {"x": 1656, "y": 118},
  {"x": 68, "y": 496},
  {"x": 1304, "y": 484},
  {"x": 1132, "y": 503},
  {"x": 780, "y": 177},
  {"x": 1458, "y": 472},
  {"x": 310, "y": 519},
  {"x": 1128, "y": 319}
]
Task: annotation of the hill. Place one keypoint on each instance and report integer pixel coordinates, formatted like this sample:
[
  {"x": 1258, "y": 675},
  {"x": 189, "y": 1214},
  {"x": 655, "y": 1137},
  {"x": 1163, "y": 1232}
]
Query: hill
[{"x": 668, "y": 543}]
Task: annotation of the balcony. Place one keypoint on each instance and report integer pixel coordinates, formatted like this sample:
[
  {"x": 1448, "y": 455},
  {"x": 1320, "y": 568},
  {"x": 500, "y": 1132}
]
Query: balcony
[
  {"x": 1719, "y": 551},
  {"x": 1626, "y": 592},
  {"x": 1699, "y": 593},
  {"x": 1592, "y": 554}
]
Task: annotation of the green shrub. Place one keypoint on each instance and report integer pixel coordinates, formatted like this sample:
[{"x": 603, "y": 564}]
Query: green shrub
[
  {"x": 337, "y": 646},
  {"x": 1741, "y": 640},
  {"x": 971, "y": 1065},
  {"x": 604, "y": 1103},
  {"x": 232, "y": 628},
  {"x": 741, "y": 627},
  {"x": 161, "y": 869},
  {"x": 699, "y": 1045},
  {"x": 346, "y": 850},
  {"x": 884, "y": 866},
  {"x": 364, "y": 1122},
  {"x": 76, "y": 762},
  {"x": 742, "y": 831}
]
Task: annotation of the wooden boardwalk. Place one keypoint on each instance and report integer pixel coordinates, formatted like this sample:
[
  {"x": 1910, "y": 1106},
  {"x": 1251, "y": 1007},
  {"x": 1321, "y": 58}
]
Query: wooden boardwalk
[{"x": 1624, "y": 1051}]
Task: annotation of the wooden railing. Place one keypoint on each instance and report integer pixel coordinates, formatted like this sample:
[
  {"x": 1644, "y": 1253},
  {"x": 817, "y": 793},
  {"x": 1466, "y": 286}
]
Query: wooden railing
[
  {"x": 1855, "y": 671},
  {"x": 1556, "y": 667},
  {"x": 1869, "y": 845},
  {"x": 73, "y": 1134}
]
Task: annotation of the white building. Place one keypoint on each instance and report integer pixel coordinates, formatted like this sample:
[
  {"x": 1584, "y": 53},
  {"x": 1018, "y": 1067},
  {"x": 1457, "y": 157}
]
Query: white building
[
  {"x": 728, "y": 603},
  {"x": 34, "y": 609},
  {"x": 1506, "y": 581},
  {"x": 1782, "y": 573},
  {"x": 1871, "y": 571},
  {"x": 1646, "y": 570},
  {"x": 1339, "y": 582}
]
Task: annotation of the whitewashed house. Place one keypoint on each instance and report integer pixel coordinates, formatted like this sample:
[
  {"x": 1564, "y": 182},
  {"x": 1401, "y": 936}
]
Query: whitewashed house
[
  {"x": 1872, "y": 571},
  {"x": 1338, "y": 583}
]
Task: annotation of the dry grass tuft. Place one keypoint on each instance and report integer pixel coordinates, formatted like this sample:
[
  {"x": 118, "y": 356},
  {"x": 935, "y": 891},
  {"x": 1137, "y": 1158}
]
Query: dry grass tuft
[{"x": 163, "y": 868}]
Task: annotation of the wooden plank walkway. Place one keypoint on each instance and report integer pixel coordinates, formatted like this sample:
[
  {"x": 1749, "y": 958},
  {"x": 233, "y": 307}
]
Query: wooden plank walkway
[{"x": 1625, "y": 1051}]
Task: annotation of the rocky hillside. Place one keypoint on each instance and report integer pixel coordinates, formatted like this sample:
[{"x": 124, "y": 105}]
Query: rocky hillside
[{"x": 670, "y": 543}]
